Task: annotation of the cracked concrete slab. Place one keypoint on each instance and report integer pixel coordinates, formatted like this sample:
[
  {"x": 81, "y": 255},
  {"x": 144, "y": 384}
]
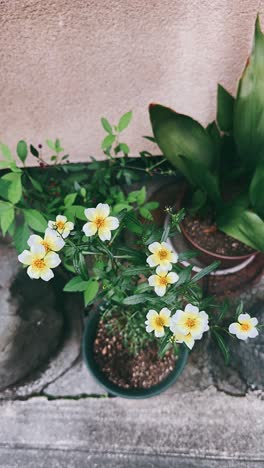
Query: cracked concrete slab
[{"x": 196, "y": 429}]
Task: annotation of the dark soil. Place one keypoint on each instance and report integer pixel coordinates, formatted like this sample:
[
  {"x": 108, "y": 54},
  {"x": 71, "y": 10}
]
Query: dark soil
[
  {"x": 140, "y": 371},
  {"x": 206, "y": 234}
]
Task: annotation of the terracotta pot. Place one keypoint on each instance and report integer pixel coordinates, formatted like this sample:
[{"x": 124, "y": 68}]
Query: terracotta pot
[{"x": 206, "y": 256}]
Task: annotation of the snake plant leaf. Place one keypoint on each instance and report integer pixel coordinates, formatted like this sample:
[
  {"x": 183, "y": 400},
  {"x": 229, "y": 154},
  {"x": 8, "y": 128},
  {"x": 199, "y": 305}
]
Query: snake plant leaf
[
  {"x": 256, "y": 190},
  {"x": 177, "y": 134},
  {"x": 225, "y": 109},
  {"x": 203, "y": 178},
  {"x": 249, "y": 106},
  {"x": 243, "y": 225}
]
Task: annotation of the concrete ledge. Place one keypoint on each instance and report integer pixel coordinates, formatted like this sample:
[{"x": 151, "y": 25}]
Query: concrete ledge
[{"x": 200, "y": 429}]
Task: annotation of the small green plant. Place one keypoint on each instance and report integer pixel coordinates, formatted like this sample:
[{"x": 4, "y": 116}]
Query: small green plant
[
  {"x": 224, "y": 163},
  {"x": 127, "y": 269}
]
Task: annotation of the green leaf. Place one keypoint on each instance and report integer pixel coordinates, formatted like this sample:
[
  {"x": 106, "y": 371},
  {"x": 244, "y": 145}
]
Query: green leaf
[
  {"x": 222, "y": 345},
  {"x": 35, "y": 220},
  {"x": 34, "y": 151},
  {"x": 7, "y": 215},
  {"x": 22, "y": 150},
  {"x": 106, "y": 125},
  {"x": 256, "y": 190},
  {"x": 202, "y": 178},
  {"x": 225, "y": 109},
  {"x": 14, "y": 189},
  {"x": 145, "y": 213},
  {"x": 243, "y": 225},
  {"x": 70, "y": 199},
  {"x": 91, "y": 291},
  {"x": 108, "y": 141},
  {"x": 206, "y": 271},
  {"x": 21, "y": 236},
  {"x": 249, "y": 106},
  {"x": 75, "y": 284},
  {"x": 51, "y": 145},
  {"x": 135, "y": 299},
  {"x": 123, "y": 147},
  {"x": 58, "y": 147},
  {"x": 37, "y": 186},
  {"x": 179, "y": 135},
  {"x": 75, "y": 211},
  {"x": 124, "y": 121},
  {"x": 136, "y": 271},
  {"x": 80, "y": 265}
]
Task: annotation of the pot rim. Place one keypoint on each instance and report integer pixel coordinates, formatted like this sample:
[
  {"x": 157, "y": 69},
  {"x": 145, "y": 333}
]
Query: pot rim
[
  {"x": 89, "y": 336},
  {"x": 230, "y": 258}
]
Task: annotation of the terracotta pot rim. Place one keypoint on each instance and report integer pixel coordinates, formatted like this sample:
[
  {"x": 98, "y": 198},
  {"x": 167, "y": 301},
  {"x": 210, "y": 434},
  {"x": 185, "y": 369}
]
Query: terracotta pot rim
[{"x": 213, "y": 254}]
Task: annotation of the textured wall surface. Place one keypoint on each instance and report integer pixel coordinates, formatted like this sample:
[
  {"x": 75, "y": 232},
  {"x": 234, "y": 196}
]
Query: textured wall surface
[{"x": 65, "y": 63}]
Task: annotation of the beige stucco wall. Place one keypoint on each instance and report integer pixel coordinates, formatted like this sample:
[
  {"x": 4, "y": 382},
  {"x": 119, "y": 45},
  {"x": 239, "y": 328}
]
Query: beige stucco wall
[{"x": 66, "y": 63}]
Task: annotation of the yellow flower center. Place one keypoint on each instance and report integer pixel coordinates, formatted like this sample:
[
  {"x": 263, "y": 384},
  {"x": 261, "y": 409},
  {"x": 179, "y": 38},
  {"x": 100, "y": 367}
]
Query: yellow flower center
[
  {"x": 245, "y": 326},
  {"x": 99, "y": 222},
  {"x": 190, "y": 322},
  {"x": 39, "y": 264},
  {"x": 46, "y": 245},
  {"x": 163, "y": 281},
  {"x": 163, "y": 253},
  {"x": 159, "y": 321},
  {"x": 60, "y": 225}
]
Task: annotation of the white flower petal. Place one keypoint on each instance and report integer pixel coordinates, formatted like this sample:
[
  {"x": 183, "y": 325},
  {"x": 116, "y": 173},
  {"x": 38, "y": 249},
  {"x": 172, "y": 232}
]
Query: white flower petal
[
  {"x": 179, "y": 314},
  {"x": 191, "y": 309},
  {"x": 102, "y": 210},
  {"x": 46, "y": 274},
  {"x": 151, "y": 313},
  {"x": 254, "y": 321},
  {"x": 160, "y": 290},
  {"x": 38, "y": 251},
  {"x": 242, "y": 336},
  {"x": 33, "y": 273},
  {"x": 172, "y": 277},
  {"x": 90, "y": 213},
  {"x": 149, "y": 328},
  {"x": 52, "y": 224},
  {"x": 165, "y": 266},
  {"x": 151, "y": 260},
  {"x": 253, "y": 333},
  {"x": 52, "y": 260},
  {"x": 25, "y": 257},
  {"x": 165, "y": 311},
  {"x": 111, "y": 223},
  {"x": 174, "y": 258},
  {"x": 34, "y": 240},
  {"x": 233, "y": 328},
  {"x": 69, "y": 226},
  {"x": 61, "y": 219},
  {"x": 104, "y": 234},
  {"x": 243, "y": 317},
  {"x": 160, "y": 272},
  {"x": 152, "y": 280},
  {"x": 154, "y": 247},
  {"x": 89, "y": 229},
  {"x": 159, "y": 334},
  {"x": 166, "y": 246}
]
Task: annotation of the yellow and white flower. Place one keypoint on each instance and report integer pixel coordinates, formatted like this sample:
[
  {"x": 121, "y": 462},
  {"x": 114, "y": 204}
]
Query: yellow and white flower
[
  {"x": 157, "y": 321},
  {"x": 100, "y": 221},
  {"x": 39, "y": 262},
  {"x": 190, "y": 321},
  {"x": 52, "y": 241},
  {"x": 245, "y": 327},
  {"x": 161, "y": 280},
  {"x": 61, "y": 225},
  {"x": 162, "y": 255},
  {"x": 187, "y": 339}
]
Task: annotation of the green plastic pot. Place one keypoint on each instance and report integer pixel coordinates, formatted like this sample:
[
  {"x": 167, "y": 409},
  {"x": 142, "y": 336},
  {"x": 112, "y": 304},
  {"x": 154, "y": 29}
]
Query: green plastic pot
[{"x": 89, "y": 336}]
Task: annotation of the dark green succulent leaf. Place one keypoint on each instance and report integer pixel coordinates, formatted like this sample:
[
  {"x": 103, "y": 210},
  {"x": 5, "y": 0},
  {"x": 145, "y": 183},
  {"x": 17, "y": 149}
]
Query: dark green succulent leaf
[
  {"x": 177, "y": 134},
  {"x": 242, "y": 224},
  {"x": 256, "y": 190},
  {"x": 202, "y": 178},
  {"x": 225, "y": 109},
  {"x": 249, "y": 106}
]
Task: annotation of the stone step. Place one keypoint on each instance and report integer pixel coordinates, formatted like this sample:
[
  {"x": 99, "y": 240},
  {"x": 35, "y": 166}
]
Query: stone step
[{"x": 206, "y": 429}]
